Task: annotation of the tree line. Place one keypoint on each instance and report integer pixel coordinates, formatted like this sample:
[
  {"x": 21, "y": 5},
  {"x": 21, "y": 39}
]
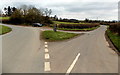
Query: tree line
[{"x": 28, "y": 15}]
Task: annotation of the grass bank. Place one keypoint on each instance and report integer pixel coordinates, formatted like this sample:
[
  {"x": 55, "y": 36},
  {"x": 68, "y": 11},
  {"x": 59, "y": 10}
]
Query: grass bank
[
  {"x": 115, "y": 38},
  {"x": 57, "y": 36},
  {"x": 4, "y": 18},
  {"x": 4, "y": 29}
]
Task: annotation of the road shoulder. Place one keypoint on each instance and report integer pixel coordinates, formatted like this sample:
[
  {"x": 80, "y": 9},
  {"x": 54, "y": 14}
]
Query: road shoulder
[{"x": 111, "y": 45}]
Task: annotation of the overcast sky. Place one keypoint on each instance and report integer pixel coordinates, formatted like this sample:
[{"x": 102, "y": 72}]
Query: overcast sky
[{"x": 73, "y": 9}]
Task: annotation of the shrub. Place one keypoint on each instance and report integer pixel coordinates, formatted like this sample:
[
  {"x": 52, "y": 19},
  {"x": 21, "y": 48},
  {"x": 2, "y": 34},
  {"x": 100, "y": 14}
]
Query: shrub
[
  {"x": 33, "y": 15},
  {"x": 77, "y": 26},
  {"x": 115, "y": 27},
  {"x": 5, "y": 21},
  {"x": 16, "y": 17}
]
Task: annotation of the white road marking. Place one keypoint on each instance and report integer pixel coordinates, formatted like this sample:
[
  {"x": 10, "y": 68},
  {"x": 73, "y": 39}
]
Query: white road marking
[
  {"x": 47, "y": 66},
  {"x": 47, "y": 56},
  {"x": 46, "y": 46},
  {"x": 46, "y": 50},
  {"x": 45, "y": 42},
  {"x": 72, "y": 65}
]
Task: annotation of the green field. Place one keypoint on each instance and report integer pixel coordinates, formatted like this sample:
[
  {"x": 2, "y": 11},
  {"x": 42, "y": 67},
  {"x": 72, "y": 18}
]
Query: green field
[
  {"x": 4, "y": 18},
  {"x": 57, "y": 36},
  {"x": 115, "y": 38},
  {"x": 57, "y": 22},
  {"x": 4, "y": 29}
]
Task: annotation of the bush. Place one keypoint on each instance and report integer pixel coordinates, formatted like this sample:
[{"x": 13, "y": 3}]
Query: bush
[
  {"x": 16, "y": 17},
  {"x": 77, "y": 26},
  {"x": 33, "y": 16},
  {"x": 46, "y": 20},
  {"x": 5, "y": 21},
  {"x": 115, "y": 27}
]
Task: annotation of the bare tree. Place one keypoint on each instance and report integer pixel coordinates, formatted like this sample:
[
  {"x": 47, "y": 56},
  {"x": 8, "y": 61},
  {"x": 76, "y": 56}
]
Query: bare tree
[
  {"x": 24, "y": 9},
  {"x": 47, "y": 12}
]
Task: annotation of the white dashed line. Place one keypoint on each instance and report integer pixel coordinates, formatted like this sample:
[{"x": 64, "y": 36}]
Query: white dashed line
[
  {"x": 47, "y": 56},
  {"x": 72, "y": 65},
  {"x": 45, "y": 42},
  {"x": 46, "y": 46},
  {"x": 46, "y": 50},
  {"x": 47, "y": 66}
]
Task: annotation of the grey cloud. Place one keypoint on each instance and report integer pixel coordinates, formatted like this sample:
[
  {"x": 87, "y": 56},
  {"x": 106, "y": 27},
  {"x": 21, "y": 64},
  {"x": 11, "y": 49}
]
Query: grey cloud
[
  {"x": 88, "y": 6},
  {"x": 92, "y": 7}
]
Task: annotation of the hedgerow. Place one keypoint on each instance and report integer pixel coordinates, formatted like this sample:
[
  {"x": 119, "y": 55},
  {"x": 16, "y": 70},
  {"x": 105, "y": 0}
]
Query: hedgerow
[
  {"x": 78, "y": 26},
  {"x": 115, "y": 27}
]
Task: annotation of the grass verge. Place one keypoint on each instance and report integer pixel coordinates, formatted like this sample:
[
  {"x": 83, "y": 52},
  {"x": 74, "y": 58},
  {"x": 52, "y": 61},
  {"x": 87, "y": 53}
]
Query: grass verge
[
  {"x": 115, "y": 38},
  {"x": 4, "y": 18},
  {"x": 57, "y": 36},
  {"x": 4, "y": 29},
  {"x": 85, "y": 29}
]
